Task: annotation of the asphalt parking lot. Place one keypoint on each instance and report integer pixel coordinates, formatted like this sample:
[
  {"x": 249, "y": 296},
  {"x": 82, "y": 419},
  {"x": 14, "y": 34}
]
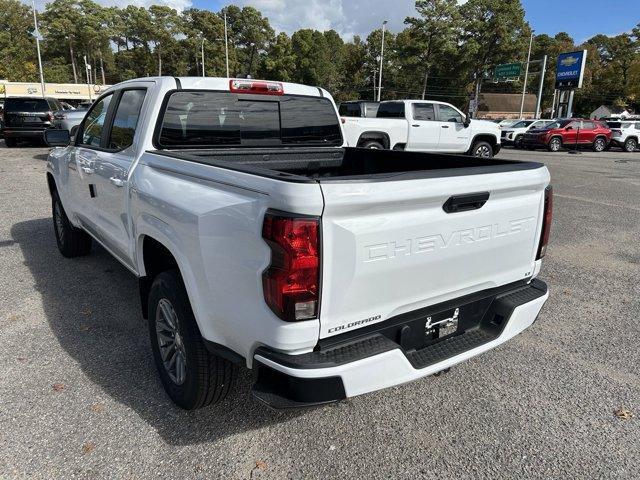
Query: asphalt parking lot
[{"x": 79, "y": 395}]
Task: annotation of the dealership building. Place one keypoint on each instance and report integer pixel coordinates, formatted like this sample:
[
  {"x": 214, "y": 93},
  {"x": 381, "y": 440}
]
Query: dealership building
[{"x": 68, "y": 92}]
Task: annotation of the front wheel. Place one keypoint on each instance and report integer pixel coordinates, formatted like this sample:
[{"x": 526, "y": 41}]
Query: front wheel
[
  {"x": 599, "y": 144},
  {"x": 630, "y": 145},
  {"x": 482, "y": 149},
  {"x": 191, "y": 376},
  {"x": 555, "y": 144},
  {"x": 518, "y": 142},
  {"x": 72, "y": 241}
]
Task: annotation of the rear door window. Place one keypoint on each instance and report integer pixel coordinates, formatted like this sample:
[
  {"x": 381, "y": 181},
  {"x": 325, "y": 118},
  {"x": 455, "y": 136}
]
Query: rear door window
[
  {"x": 424, "y": 111},
  {"x": 588, "y": 126}
]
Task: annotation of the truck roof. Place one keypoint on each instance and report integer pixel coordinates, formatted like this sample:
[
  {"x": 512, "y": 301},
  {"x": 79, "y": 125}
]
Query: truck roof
[{"x": 222, "y": 83}]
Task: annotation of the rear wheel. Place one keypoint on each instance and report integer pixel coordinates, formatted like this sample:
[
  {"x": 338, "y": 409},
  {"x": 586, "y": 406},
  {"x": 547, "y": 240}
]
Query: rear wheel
[
  {"x": 10, "y": 142},
  {"x": 599, "y": 144},
  {"x": 630, "y": 145},
  {"x": 482, "y": 149},
  {"x": 555, "y": 144},
  {"x": 191, "y": 376},
  {"x": 72, "y": 241},
  {"x": 373, "y": 145}
]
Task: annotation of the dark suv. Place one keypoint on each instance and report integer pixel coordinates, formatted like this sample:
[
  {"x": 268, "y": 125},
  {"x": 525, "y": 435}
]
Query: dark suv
[
  {"x": 26, "y": 118},
  {"x": 570, "y": 133}
]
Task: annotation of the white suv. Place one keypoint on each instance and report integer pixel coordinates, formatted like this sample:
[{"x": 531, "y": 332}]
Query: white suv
[
  {"x": 624, "y": 133},
  {"x": 514, "y": 135}
]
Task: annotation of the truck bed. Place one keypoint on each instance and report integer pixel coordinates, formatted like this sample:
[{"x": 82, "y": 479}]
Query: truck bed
[{"x": 346, "y": 164}]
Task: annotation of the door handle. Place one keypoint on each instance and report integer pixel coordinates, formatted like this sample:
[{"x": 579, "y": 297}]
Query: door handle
[
  {"x": 87, "y": 170},
  {"x": 118, "y": 182},
  {"x": 445, "y": 126},
  {"x": 415, "y": 125}
]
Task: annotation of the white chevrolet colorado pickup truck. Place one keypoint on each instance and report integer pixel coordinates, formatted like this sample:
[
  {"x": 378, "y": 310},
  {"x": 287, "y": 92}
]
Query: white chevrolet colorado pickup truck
[
  {"x": 259, "y": 240},
  {"x": 423, "y": 126}
]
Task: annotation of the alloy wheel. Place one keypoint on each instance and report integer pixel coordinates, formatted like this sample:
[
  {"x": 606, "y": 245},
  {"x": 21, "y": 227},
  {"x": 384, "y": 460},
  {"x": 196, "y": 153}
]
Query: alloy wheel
[
  {"x": 170, "y": 342},
  {"x": 483, "y": 151}
]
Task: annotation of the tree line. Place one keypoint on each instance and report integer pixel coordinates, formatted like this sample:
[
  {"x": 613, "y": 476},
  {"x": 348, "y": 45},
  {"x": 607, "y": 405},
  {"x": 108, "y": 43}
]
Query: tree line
[{"x": 444, "y": 52}]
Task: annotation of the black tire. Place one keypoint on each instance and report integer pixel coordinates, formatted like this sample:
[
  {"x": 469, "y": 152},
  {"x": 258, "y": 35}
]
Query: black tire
[
  {"x": 482, "y": 149},
  {"x": 555, "y": 144},
  {"x": 599, "y": 144},
  {"x": 373, "y": 144},
  {"x": 207, "y": 378},
  {"x": 10, "y": 142},
  {"x": 518, "y": 142},
  {"x": 630, "y": 145},
  {"x": 72, "y": 241}
]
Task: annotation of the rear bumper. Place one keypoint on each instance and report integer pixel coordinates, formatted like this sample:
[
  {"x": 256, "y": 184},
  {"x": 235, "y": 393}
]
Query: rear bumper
[
  {"x": 377, "y": 360},
  {"x": 10, "y": 132}
]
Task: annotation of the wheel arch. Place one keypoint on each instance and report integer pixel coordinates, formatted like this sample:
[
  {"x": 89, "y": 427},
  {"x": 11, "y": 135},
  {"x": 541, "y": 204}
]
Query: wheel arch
[
  {"x": 51, "y": 183},
  {"x": 484, "y": 137},
  {"x": 383, "y": 137}
]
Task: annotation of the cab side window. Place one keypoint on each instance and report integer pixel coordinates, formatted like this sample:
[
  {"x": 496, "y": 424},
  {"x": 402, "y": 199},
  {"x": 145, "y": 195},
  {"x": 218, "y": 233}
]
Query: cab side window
[
  {"x": 94, "y": 126},
  {"x": 424, "y": 111},
  {"x": 125, "y": 119},
  {"x": 448, "y": 114}
]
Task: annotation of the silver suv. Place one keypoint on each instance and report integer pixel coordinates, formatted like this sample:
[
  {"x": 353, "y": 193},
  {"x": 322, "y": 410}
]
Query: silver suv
[{"x": 624, "y": 133}]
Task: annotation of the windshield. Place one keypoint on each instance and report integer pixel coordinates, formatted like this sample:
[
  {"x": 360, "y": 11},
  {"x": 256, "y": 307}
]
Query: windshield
[
  {"x": 26, "y": 105},
  {"x": 215, "y": 119},
  {"x": 523, "y": 124}
]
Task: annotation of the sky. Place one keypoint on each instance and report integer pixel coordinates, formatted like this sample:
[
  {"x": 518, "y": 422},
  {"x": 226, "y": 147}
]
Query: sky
[{"x": 582, "y": 19}]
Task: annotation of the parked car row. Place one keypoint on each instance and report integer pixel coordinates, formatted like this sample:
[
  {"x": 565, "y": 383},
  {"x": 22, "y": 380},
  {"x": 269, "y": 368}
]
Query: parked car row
[
  {"x": 572, "y": 133},
  {"x": 27, "y": 118}
]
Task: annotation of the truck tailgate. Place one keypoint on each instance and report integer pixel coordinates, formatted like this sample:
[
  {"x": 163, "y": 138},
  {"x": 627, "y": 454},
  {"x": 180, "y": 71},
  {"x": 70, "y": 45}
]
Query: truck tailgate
[{"x": 389, "y": 247}]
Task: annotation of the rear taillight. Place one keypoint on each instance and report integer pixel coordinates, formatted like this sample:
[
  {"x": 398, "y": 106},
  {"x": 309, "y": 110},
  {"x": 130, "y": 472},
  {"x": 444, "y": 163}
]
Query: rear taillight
[
  {"x": 291, "y": 282},
  {"x": 259, "y": 87},
  {"x": 50, "y": 116},
  {"x": 546, "y": 222}
]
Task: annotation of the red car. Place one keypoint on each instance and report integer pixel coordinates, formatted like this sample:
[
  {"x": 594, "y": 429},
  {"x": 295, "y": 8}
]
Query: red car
[{"x": 570, "y": 132}]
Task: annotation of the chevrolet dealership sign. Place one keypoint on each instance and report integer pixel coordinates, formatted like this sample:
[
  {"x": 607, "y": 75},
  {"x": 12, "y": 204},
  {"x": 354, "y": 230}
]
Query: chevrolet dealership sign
[
  {"x": 61, "y": 91},
  {"x": 570, "y": 70}
]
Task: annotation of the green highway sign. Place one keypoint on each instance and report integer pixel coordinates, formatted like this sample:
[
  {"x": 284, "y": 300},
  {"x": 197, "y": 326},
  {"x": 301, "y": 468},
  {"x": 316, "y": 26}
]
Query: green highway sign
[{"x": 507, "y": 70}]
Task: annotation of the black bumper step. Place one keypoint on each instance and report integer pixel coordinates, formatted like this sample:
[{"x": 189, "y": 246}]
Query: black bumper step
[{"x": 483, "y": 317}]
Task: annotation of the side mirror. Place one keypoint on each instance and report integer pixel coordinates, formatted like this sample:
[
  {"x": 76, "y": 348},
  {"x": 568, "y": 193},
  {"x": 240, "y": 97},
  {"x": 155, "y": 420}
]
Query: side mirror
[
  {"x": 57, "y": 138},
  {"x": 74, "y": 130},
  {"x": 467, "y": 122},
  {"x": 569, "y": 128}
]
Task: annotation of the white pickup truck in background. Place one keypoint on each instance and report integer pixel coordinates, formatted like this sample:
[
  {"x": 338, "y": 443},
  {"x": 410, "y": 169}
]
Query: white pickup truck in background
[
  {"x": 423, "y": 126},
  {"x": 259, "y": 240}
]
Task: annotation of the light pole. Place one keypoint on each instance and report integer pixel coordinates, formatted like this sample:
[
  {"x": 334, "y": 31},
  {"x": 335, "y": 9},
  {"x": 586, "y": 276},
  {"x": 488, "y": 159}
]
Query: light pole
[
  {"x": 526, "y": 75},
  {"x": 202, "y": 52},
  {"x": 87, "y": 69},
  {"x": 384, "y": 24},
  {"x": 36, "y": 34},
  {"x": 226, "y": 43},
  {"x": 542, "y": 73}
]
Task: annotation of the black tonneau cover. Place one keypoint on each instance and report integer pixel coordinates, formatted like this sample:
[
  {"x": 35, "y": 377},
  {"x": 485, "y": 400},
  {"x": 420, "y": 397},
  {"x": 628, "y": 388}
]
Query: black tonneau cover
[{"x": 346, "y": 164}]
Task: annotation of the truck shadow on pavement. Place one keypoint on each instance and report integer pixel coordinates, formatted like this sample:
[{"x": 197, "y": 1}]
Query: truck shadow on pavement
[{"x": 92, "y": 306}]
